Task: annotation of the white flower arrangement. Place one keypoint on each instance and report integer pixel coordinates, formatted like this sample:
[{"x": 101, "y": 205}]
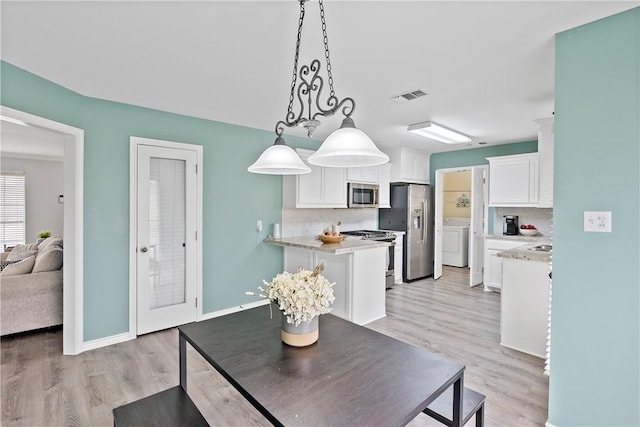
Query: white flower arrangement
[{"x": 300, "y": 296}]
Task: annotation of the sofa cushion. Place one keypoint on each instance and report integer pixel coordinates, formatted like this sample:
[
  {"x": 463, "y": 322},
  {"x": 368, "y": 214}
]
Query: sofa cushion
[
  {"x": 20, "y": 252},
  {"x": 50, "y": 241},
  {"x": 49, "y": 259},
  {"x": 21, "y": 267}
]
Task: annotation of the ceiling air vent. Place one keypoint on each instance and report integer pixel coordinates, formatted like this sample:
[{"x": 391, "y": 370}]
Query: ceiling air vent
[{"x": 409, "y": 96}]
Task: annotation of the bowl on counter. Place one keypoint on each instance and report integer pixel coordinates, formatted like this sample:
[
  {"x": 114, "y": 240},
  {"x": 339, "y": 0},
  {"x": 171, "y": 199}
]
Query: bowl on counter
[
  {"x": 528, "y": 232},
  {"x": 331, "y": 239}
]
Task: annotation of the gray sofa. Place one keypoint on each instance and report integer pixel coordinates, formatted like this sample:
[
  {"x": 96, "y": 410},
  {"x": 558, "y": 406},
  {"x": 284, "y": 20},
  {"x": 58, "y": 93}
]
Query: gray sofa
[{"x": 32, "y": 300}]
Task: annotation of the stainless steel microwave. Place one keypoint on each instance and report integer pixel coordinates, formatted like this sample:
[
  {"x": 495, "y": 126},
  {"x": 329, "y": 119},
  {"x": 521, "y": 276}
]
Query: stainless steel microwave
[{"x": 362, "y": 195}]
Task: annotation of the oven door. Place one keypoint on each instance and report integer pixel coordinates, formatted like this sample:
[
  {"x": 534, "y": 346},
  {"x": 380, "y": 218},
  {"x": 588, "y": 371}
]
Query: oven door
[{"x": 362, "y": 195}]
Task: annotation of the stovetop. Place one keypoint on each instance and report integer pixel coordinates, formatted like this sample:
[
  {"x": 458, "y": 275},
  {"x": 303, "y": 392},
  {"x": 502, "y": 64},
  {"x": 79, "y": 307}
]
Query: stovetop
[{"x": 371, "y": 234}]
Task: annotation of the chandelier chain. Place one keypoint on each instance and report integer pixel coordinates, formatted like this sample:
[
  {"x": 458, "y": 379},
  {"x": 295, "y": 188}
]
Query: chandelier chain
[
  {"x": 294, "y": 78},
  {"x": 325, "y": 40}
]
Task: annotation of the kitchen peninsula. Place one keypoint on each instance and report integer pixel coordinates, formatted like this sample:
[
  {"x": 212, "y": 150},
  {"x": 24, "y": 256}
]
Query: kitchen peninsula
[{"x": 356, "y": 266}]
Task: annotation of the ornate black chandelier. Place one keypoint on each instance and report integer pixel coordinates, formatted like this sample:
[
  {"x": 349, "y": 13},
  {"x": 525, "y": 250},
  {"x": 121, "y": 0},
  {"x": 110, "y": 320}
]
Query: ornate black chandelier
[{"x": 346, "y": 147}]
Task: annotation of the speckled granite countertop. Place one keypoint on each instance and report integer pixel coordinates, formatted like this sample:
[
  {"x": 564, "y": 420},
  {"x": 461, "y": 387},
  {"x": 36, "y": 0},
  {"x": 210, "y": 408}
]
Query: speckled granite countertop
[
  {"x": 348, "y": 245},
  {"x": 519, "y": 237},
  {"x": 528, "y": 253}
]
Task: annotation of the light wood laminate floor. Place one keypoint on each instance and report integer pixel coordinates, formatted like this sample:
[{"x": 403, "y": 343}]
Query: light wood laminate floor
[{"x": 40, "y": 387}]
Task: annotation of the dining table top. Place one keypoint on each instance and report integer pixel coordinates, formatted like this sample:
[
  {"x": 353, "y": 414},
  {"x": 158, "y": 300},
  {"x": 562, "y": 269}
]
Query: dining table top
[{"x": 351, "y": 376}]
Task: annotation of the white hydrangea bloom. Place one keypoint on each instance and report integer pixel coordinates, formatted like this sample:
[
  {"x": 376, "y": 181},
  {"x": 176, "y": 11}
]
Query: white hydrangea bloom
[{"x": 300, "y": 296}]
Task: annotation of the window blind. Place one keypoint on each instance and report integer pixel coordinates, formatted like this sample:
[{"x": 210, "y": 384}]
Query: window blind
[{"x": 12, "y": 208}]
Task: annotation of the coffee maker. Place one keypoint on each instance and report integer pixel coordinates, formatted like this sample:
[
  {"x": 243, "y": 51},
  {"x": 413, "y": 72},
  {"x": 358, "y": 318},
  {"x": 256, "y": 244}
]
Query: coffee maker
[{"x": 510, "y": 225}]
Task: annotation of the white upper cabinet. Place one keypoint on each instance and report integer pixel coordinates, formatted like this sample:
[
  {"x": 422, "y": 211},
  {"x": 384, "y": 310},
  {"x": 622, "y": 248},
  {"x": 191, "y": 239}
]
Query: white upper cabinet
[
  {"x": 545, "y": 151},
  {"x": 409, "y": 165},
  {"x": 384, "y": 179},
  {"x": 368, "y": 175},
  {"x": 322, "y": 188},
  {"x": 514, "y": 180}
]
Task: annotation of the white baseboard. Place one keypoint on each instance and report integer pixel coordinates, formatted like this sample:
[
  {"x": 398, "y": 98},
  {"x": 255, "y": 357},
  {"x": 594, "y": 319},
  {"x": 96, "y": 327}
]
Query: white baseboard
[
  {"x": 206, "y": 316},
  {"x": 103, "y": 342},
  {"x": 116, "y": 339}
]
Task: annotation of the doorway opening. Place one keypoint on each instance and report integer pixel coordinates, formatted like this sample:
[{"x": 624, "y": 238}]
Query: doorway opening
[
  {"x": 461, "y": 220},
  {"x": 72, "y": 288}
]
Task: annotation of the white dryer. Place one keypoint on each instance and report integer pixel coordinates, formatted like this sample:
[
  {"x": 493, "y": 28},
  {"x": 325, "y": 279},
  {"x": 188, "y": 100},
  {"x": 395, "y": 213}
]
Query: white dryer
[{"x": 455, "y": 242}]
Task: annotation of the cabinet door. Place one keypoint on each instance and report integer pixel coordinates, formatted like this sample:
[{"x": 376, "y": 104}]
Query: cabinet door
[
  {"x": 310, "y": 188},
  {"x": 493, "y": 269},
  {"x": 509, "y": 181},
  {"x": 337, "y": 269},
  {"x": 397, "y": 259},
  {"x": 367, "y": 175},
  {"x": 384, "y": 178},
  {"x": 334, "y": 187}
]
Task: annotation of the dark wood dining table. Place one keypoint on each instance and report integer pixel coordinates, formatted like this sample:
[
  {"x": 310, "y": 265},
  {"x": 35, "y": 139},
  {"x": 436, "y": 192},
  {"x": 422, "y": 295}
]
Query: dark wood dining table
[{"x": 353, "y": 376}]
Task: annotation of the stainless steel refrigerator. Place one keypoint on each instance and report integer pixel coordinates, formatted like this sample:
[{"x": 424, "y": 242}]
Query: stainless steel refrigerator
[{"x": 412, "y": 212}]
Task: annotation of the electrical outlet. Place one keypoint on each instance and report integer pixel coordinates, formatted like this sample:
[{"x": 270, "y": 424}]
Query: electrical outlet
[
  {"x": 259, "y": 225},
  {"x": 599, "y": 222}
]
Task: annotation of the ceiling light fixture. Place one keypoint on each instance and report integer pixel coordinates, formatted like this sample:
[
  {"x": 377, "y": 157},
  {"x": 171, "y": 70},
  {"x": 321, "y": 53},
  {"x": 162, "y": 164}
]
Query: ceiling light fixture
[
  {"x": 348, "y": 146},
  {"x": 439, "y": 133}
]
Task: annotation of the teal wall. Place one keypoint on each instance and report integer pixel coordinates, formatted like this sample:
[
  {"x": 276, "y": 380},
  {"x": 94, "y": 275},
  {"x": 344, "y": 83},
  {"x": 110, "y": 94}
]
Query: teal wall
[
  {"x": 595, "y": 335},
  {"x": 234, "y": 258},
  {"x": 478, "y": 156}
]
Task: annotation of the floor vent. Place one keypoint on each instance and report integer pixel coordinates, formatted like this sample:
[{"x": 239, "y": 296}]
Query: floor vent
[{"x": 409, "y": 96}]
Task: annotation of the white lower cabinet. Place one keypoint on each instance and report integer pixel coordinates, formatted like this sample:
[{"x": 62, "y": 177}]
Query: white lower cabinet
[
  {"x": 524, "y": 306},
  {"x": 492, "y": 275},
  {"x": 397, "y": 258},
  {"x": 359, "y": 278}
]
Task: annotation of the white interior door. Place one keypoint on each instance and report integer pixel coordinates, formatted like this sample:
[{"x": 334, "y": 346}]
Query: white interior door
[
  {"x": 477, "y": 224},
  {"x": 166, "y": 237},
  {"x": 438, "y": 223}
]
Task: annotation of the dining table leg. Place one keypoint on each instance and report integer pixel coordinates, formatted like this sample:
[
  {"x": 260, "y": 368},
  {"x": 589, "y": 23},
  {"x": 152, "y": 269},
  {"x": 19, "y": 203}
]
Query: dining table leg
[
  {"x": 183, "y": 362},
  {"x": 458, "y": 386}
]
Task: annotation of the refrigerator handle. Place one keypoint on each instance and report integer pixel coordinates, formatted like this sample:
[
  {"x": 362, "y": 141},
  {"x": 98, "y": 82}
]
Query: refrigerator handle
[{"x": 424, "y": 220}]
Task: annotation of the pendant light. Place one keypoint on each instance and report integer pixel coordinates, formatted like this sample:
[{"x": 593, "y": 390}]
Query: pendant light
[{"x": 348, "y": 146}]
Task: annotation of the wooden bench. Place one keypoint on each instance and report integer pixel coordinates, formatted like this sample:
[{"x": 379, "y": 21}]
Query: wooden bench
[
  {"x": 441, "y": 409},
  {"x": 172, "y": 407}
]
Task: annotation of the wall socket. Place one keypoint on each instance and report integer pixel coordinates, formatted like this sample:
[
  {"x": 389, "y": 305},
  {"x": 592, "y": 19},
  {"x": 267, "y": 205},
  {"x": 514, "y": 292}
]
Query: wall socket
[
  {"x": 259, "y": 225},
  {"x": 599, "y": 222}
]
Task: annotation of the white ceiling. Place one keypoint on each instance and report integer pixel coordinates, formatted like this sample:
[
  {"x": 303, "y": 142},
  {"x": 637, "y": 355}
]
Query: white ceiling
[
  {"x": 30, "y": 142},
  {"x": 487, "y": 66}
]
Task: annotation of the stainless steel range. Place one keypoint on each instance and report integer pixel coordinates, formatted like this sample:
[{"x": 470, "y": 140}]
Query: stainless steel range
[{"x": 383, "y": 236}]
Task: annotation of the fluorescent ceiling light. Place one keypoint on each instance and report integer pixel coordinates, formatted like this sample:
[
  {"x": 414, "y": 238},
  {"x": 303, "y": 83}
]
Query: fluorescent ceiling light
[{"x": 438, "y": 132}]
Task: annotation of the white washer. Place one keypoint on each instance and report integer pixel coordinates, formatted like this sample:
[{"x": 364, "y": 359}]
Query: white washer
[{"x": 455, "y": 242}]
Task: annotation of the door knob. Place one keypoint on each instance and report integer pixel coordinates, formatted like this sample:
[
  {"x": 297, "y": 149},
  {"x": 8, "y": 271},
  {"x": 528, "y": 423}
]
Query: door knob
[{"x": 143, "y": 249}]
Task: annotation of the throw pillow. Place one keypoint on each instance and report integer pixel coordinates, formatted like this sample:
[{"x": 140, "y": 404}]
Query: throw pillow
[
  {"x": 48, "y": 260},
  {"x": 50, "y": 242},
  {"x": 23, "y": 267},
  {"x": 20, "y": 252}
]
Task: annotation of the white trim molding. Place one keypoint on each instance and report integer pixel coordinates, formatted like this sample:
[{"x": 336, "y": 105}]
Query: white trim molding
[
  {"x": 103, "y": 342},
  {"x": 73, "y": 288}
]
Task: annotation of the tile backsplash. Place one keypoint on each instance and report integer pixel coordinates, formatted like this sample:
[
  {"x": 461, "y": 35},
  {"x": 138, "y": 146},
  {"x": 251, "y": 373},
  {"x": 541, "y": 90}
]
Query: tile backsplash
[
  {"x": 307, "y": 222},
  {"x": 542, "y": 219}
]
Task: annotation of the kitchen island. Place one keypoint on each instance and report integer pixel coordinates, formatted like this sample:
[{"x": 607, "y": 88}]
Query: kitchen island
[{"x": 356, "y": 266}]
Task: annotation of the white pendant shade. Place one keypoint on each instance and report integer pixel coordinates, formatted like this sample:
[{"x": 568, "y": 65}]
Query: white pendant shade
[
  {"x": 348, "y": 147},
  {"x": 279, "y": 159}
]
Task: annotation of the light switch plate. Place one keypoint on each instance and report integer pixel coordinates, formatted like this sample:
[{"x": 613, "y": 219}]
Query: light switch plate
[
  {"x": 259, "y": 225},
  {"x": 597, "y": 221}
]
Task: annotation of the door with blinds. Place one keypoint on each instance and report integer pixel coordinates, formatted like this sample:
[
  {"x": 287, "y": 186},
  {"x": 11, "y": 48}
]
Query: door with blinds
[{"x": 166, "y": 237}]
